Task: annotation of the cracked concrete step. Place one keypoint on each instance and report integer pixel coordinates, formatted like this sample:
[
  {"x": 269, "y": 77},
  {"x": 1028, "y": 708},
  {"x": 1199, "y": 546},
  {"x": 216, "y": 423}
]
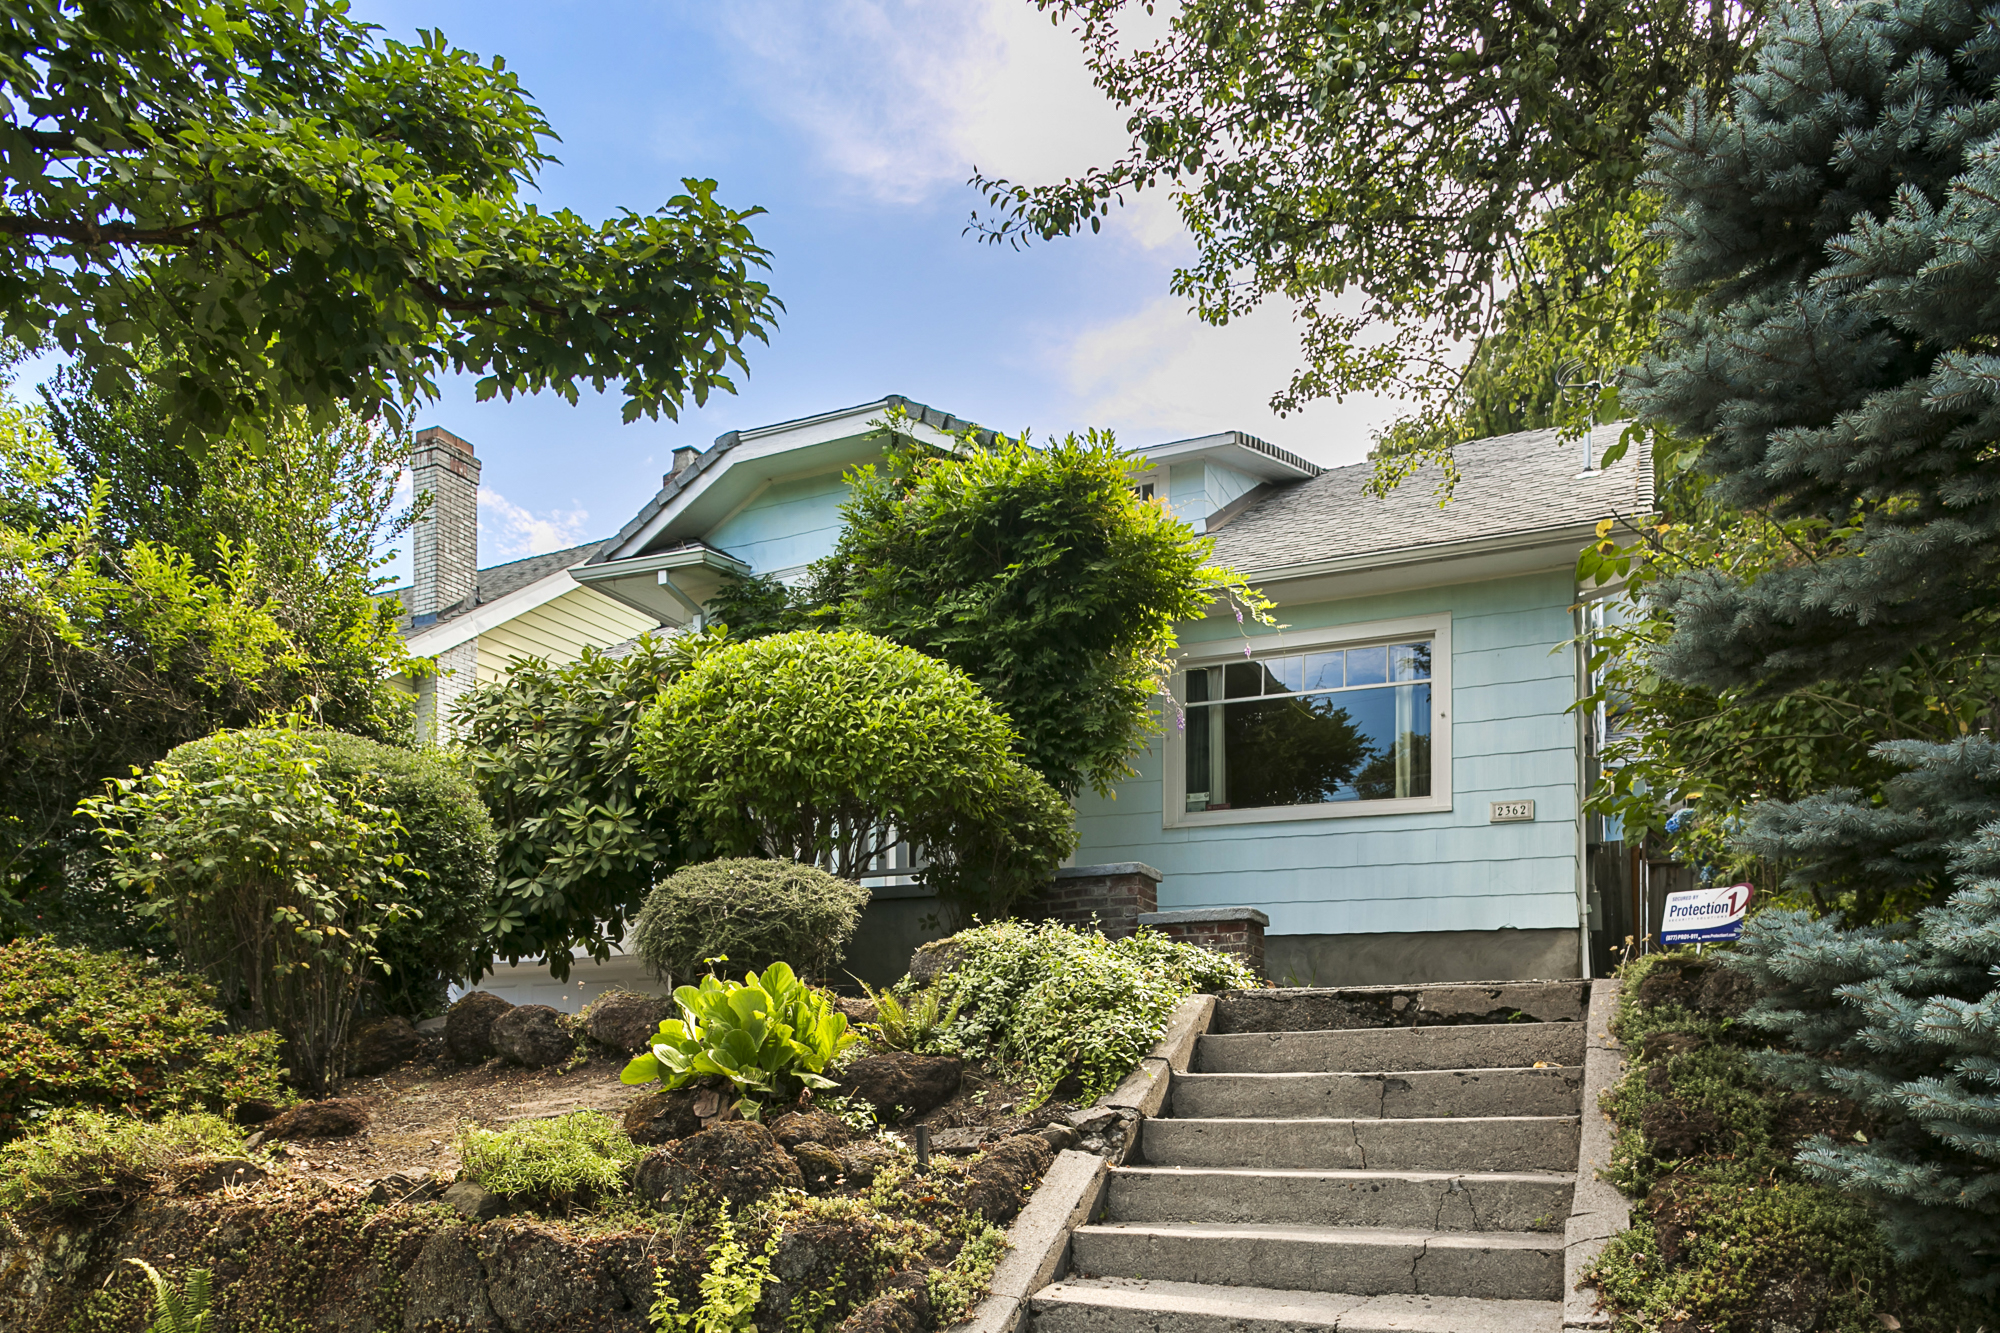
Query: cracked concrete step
[
  {"x": 1497, "y": 1265},
  {"x": 1439, "y": 1200},
  {"x": 1118, "y": 1305},
  {"x": 1311, "y": 1010},
  {"x": 1401, "y": 1095},
  {"x": 1447, "y": 1143},
  {"x": 1474, "y": 1046}
]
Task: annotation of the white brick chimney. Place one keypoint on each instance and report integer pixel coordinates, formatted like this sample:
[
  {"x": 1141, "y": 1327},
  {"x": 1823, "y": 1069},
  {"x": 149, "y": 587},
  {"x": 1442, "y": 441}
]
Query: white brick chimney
[
  {"x": 445, "y": 545},
  {"x": 445, "y": 557}
]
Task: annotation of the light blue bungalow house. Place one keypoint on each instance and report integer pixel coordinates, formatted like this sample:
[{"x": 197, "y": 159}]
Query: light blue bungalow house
[{"x": 1393, "y": 775}]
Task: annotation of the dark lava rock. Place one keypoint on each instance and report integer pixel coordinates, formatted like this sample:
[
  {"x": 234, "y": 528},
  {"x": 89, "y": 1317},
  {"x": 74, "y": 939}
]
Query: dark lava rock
[
  {"x": 1659, "y": 1047},
  {"x": 997, "y": 1184},
  {"x": 662, "y": 1117},
  {"x": 256, "y": 1111},
  {"x": 822, "y": 1127},
  {"x": 737, "y": 1160},
  {"x": 413, "y": 1186},
  {"x": 468, "y": 1027},
  {"x": 533, "y": 1035},
  {"x": 626, "y": 1020},
  {"x": 201, "y": 1175},
  {"x": 932, "y": 961},
  {"x": 334, "y": 1118},
  {"x": 861, "y": 1162},
  {"x": 474, "y": 1201},
  {"x": 820, "y": 1165},
  {"x": 382, "y": 1045},
  {"x": 860, "y": 1010},
  {"x": 901, "y": 1082},
  {"x": 907, "y": 1311}
]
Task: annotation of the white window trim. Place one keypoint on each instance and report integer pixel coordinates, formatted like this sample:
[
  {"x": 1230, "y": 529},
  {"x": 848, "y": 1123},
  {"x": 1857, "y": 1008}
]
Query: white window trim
[{"x": 1175, "y": 814}]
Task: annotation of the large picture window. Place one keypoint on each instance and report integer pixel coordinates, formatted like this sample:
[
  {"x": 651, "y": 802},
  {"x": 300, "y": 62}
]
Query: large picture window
[{"x": 1311, "y": 729}]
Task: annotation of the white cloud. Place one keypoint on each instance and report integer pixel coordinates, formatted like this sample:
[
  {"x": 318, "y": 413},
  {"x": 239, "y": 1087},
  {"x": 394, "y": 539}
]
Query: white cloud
[
  {"x": 1162, "y": 374},
  {"x": 905, "y": 97},
  {"x": 508, "y": 532}
]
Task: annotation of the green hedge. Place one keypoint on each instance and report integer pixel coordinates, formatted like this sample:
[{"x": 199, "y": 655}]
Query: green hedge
[{"x": 85, "y": 1029}]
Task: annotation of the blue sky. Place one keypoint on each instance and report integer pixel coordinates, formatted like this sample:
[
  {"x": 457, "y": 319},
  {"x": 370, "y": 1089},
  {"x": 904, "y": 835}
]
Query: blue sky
[{"x": 856, "y": 123}]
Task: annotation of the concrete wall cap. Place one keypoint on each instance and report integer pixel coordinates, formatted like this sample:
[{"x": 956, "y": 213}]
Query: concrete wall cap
[
  {"x": 1196, "y": 915},
  {"x": 1597, "y": 1211},
  {"x": 1105, "y": 871}
]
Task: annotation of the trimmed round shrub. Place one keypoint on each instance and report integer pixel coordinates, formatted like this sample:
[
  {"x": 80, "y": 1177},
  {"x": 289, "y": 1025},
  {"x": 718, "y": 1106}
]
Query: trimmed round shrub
[
  {"x": 830, "y": 749},
  {"x": 755, "y": 912},
  {"x": 447, "y": 834},
  {"x": 109, "y": 1031}
]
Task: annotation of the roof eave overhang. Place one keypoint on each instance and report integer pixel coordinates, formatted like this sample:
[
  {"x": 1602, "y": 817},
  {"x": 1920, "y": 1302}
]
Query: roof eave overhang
[
  {"x": 671, "y": 586},
  {"x": 1503, "y": 555},
  {"x": 1269, "y": 462}
]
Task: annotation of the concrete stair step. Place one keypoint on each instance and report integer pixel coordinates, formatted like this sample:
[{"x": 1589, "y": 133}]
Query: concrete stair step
[
  {"x": 1114, "y": 1305},
  {"x": 1308, "y": 1010},
  {"x": 1439, "y": 1200},
  {"x": 1401, "y": 1095},
  {"x": 1497, "y": 1265},
  {"x": 1361, "y": 1050},
  {"x": 1448, "y": 1143}
]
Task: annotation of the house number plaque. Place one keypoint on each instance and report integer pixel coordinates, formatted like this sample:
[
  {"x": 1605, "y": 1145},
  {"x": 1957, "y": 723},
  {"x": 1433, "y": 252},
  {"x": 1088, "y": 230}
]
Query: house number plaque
[{"x": 1511, "y": 812}]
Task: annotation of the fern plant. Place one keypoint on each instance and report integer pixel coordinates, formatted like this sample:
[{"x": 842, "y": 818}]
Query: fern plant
[
  {"x": 178, "y": 1311},
  {"x": 912, "y": 1025}
]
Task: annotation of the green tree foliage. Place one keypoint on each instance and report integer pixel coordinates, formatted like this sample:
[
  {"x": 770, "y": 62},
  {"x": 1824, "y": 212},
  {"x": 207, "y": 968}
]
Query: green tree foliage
[
  {"x": 582, "y": 837},
  {"x": 1037, "y": 571},
  {"x": 276, "y": 875},
  {"x": 1705, "y": 757},
  {"x": 301, "y": 216},
  {"x": 831, "y": 749},
  {"x": 84, "y": 1028},
  {"x": 1838, "y": 231},
  {"x": 145, "y": 608},
  {"x": 1043, "y": 576},
  {"x": 754, "y": 913},
  {"x": 1404, "y": 177},
  {"x": 1838, "y": 228},
  {"x": 442, "y": 833}
]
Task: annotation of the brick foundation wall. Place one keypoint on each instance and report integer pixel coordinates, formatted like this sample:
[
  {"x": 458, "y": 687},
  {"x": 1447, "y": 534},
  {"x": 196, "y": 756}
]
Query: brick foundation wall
[
  {"x": 1238, "y": 931},
  {"x": 1111, "y": 898}
]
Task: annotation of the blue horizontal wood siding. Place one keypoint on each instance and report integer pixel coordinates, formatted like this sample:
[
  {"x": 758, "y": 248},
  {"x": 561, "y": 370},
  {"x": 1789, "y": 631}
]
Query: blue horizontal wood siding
[
  {"x": 790, "y": 523},
  {"x": 1513, "y": 680}
]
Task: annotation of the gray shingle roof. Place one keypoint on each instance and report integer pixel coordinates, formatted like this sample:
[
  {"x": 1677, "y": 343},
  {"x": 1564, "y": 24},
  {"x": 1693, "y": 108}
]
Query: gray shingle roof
[
  {"x": 496, "y": 581},
  {"x": 1508, "y": 485}
]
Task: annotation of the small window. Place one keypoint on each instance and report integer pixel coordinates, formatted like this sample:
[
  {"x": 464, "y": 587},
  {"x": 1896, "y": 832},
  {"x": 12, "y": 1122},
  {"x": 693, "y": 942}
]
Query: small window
[
  {"x": 1144, "y": 490},
  {"x": 1309, "y": 728}
]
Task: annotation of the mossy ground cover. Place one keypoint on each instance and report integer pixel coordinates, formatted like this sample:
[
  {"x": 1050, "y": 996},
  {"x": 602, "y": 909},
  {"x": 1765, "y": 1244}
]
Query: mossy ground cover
[
  {"x": 292, "y": 1254},
  {"x": 1727, "y": 1235}
]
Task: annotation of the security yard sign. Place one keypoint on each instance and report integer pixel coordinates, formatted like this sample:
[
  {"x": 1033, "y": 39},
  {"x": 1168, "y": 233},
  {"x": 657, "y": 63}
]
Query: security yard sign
[{"x": 1703, "y": 916}]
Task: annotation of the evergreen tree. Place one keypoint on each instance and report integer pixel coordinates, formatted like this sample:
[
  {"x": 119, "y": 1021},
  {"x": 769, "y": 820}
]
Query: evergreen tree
[{"x": 1840, "y": 230}]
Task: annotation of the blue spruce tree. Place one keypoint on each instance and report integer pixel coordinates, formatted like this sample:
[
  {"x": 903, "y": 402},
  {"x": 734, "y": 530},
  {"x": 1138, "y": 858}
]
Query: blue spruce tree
[{"x": 1840, "y": 228}]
